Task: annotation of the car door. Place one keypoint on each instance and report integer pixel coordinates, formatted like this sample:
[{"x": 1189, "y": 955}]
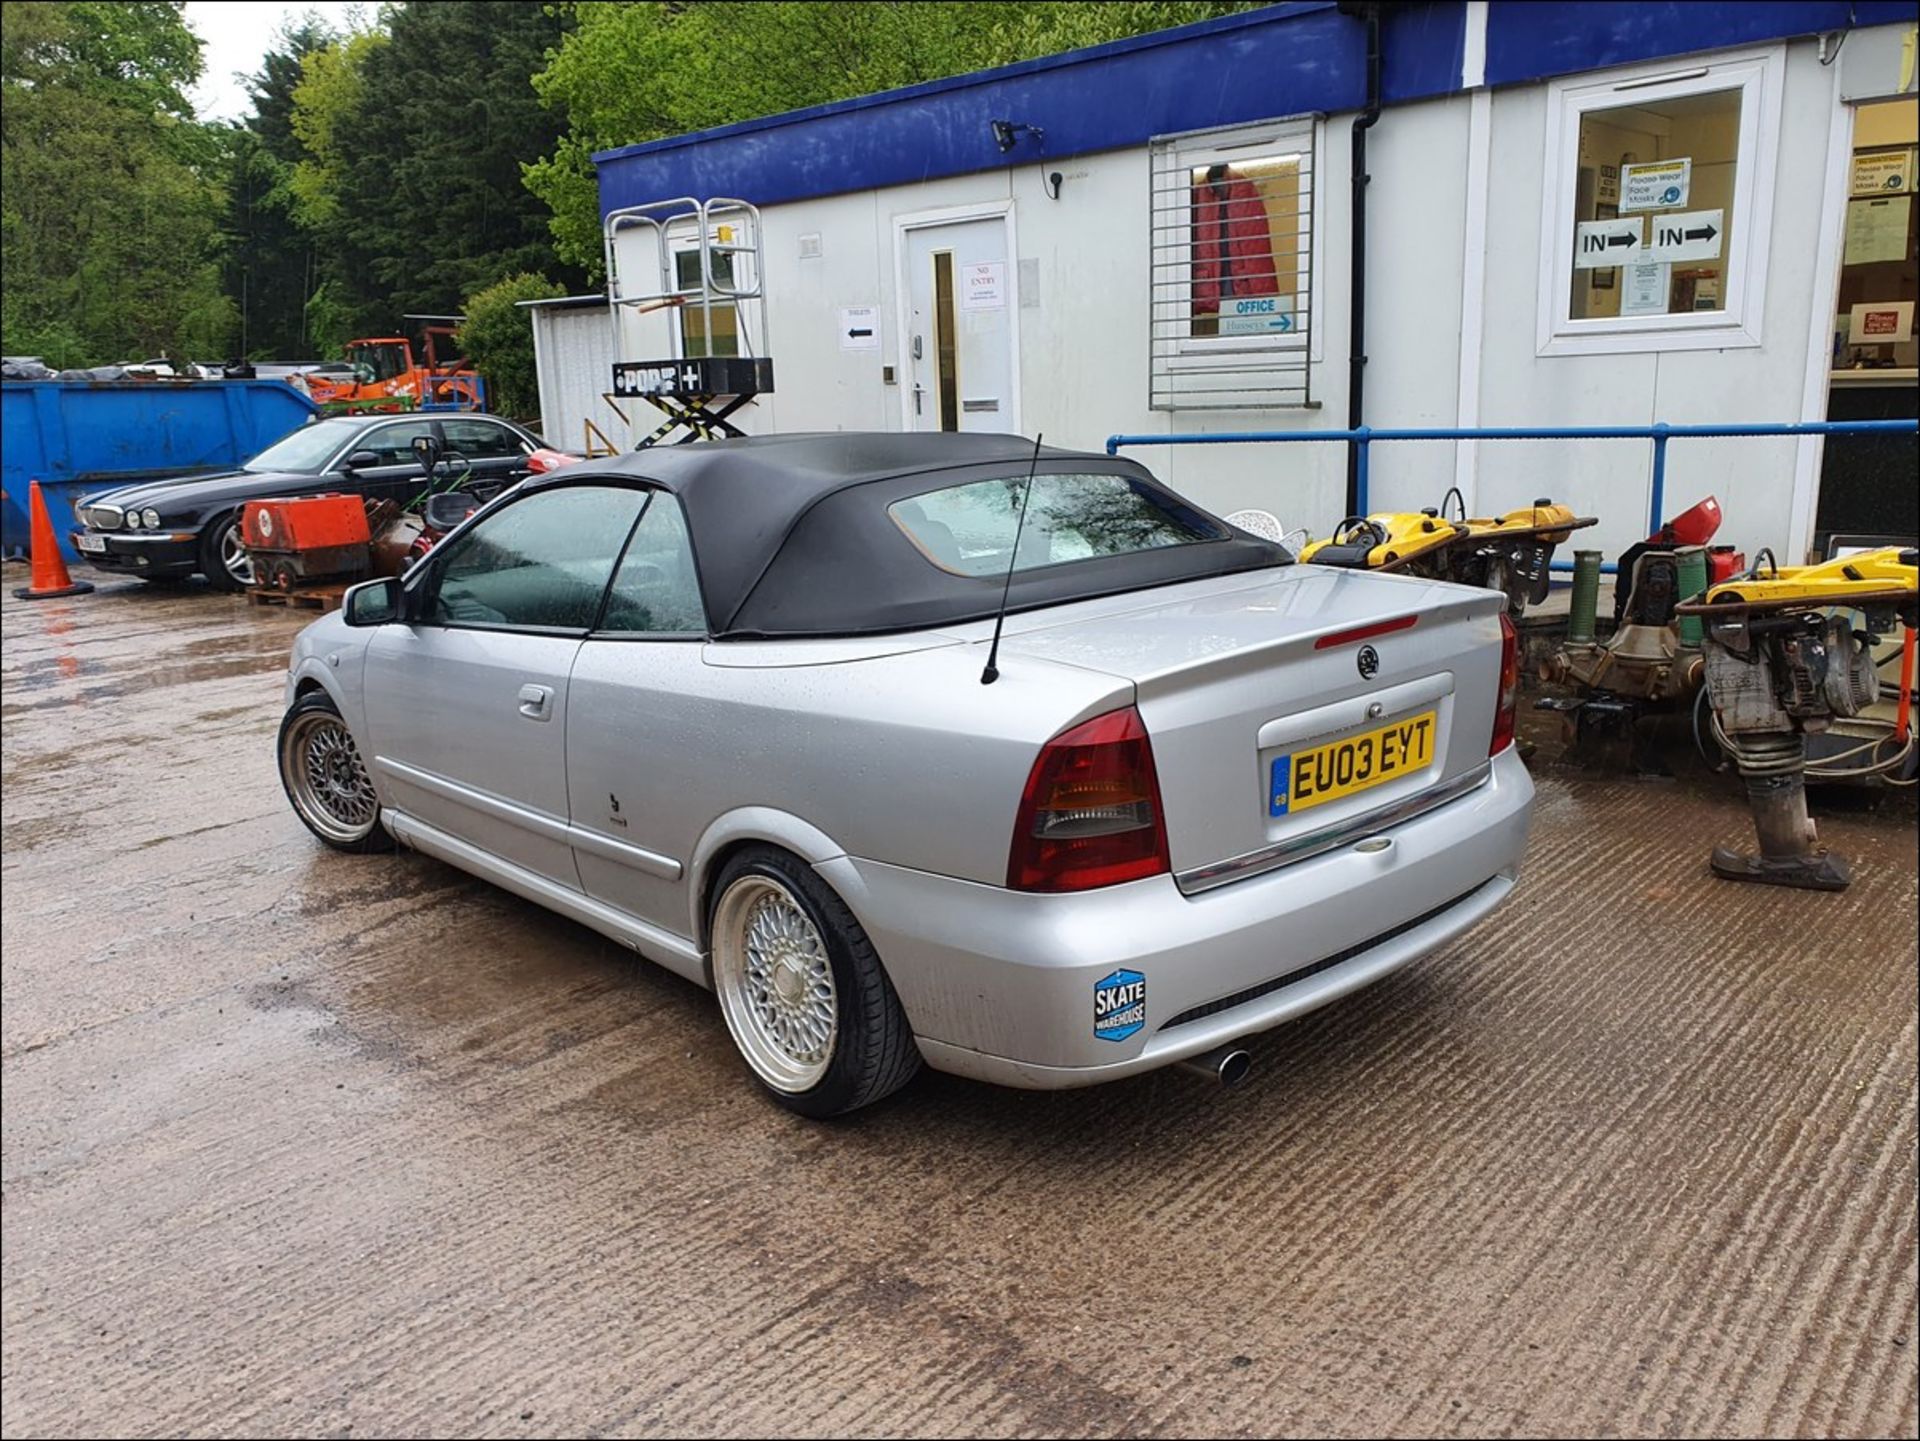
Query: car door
[
  {"x": 495, "y": 454},
  {"x": 467, "y": 698},
  {"x": 641, "y": 714},
  {"x": 395, "y": 475}
]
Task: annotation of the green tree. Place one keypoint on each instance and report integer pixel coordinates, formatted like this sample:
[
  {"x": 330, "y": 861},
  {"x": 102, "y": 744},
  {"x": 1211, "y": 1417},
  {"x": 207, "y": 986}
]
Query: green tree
[
  {"x": 327, "y": 100},
  {"x": 109, "y": 189},
  {"x": 414, "y": 139},
  {"x": 497, "y": 337},
  {"x": 628, "y": 73},
  {"x": 270, "y": 258}
]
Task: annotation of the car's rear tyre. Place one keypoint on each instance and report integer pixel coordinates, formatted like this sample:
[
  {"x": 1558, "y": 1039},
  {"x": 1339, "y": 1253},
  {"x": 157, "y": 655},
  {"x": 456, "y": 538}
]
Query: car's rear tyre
[
  {"x": 223, "y": 557},
  {"x": 325, "y": 779},
  {"x": 804, "y": 996}
]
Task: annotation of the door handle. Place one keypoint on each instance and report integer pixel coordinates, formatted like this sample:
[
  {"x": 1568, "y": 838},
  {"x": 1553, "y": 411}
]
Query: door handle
[
  {"x": 916, "y": 347},
  {"x": 536, "y": 702},
  {"x": 918, "y": 391}
]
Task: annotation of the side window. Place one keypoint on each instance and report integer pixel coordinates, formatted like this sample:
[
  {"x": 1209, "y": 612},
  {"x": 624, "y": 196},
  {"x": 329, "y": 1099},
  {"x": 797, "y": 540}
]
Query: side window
[
  {"x": 543, "y": 561},
  {"x": 481, "y": 439},
  {"x": 657, "y": 591},
  {"x": 394, "y": 443}
]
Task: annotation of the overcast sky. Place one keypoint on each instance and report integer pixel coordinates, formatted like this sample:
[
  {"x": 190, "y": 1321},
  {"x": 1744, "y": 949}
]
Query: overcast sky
[{"x": 238, "y": 34}]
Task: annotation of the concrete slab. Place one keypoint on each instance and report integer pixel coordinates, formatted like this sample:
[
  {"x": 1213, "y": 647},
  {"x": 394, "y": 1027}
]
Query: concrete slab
[{"x": 297, "y": 1143}]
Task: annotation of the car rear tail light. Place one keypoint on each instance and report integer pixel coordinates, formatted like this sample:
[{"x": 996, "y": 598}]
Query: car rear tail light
[
  {"x": 1509, "y": 698},
  {"x": 1091, "y": 812}
]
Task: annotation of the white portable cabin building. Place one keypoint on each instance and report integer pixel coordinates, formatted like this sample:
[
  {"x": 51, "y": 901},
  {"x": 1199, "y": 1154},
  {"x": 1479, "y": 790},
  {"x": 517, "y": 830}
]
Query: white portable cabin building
[{"x": 1576, "y": 214}]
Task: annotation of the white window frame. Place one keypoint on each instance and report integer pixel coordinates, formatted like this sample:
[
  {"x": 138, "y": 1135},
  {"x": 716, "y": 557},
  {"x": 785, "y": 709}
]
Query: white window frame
[
  {"x": 1168, "y": 302},
  {"x": 1759, "y": 76},
  {"x": 683, "y": 238}
]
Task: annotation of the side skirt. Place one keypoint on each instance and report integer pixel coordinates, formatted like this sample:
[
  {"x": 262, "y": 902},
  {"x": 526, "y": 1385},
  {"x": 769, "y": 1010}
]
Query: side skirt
[{"x": 662, "y": 947}]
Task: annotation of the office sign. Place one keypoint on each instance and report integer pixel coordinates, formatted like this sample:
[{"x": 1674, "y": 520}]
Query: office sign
[{"x": 1256, "y": 315}]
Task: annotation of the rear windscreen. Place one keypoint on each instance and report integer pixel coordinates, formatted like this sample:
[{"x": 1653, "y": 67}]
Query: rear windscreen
[{"x": 971, "y": 529}]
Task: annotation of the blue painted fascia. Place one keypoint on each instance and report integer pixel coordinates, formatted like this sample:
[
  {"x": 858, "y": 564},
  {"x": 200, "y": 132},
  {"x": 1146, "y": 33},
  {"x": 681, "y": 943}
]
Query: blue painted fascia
[
  {"x": 1283, "y": 60},
  {"x": 1528, "y": 40},
  {"x": 1152, "y": 40},
  {"x": 1287, "y": 59}
]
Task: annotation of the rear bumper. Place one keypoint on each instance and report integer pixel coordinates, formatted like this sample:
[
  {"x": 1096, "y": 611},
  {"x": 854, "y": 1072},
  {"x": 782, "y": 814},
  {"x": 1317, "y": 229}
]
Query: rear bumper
[
  {"x": 1000, "y": 986},
  {"x": 144, "y": 554}
]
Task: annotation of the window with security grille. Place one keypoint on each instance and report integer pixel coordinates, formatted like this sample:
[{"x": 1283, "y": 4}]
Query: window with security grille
[{"x": 1232, "y": 292}]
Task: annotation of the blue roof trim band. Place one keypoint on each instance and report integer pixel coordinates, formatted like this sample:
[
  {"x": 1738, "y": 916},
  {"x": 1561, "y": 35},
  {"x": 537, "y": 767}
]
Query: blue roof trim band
[
  {"x": 1284, "y": 60},
  {"x": 1288, "y": 59},
  {"x": 1530, "y": 41},
  {"x": 1151, "y": 40}
]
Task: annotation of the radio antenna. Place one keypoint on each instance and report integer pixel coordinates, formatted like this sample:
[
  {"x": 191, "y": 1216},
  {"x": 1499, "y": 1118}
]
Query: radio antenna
[{"x": 992, "y": 672}]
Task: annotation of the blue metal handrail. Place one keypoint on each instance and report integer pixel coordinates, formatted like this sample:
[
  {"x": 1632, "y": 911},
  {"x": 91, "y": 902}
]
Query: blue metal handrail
[{"x": 1364, "y": 436}]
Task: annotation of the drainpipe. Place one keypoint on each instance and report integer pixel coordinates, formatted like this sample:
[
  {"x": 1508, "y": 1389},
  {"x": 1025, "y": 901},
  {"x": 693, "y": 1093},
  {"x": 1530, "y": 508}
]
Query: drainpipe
[{"x": 1369, "y": 14}]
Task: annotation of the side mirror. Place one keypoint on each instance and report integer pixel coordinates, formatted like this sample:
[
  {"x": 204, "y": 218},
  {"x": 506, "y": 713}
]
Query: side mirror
[
  {"x": 448, "y": 508},
  {"x": 428, "y": 450},
  {"x": 372, "y": 602},
  {"x": 361, "y": 459}
]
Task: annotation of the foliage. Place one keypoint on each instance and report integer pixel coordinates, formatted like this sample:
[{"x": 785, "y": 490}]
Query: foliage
[
  {"x": 326, "y": 101},
  {"x": 414, "y": 139},
  {"x": 497, "y": 337},
  {"x": 109, "y": 189},
  {"x": 270, "y": 256},
  {"x": 430, "y": 153},
  {"x": 634, "y": 72}
]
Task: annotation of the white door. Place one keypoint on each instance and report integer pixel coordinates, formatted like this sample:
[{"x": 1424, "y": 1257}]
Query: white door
[{"x": 959, "y": 332}]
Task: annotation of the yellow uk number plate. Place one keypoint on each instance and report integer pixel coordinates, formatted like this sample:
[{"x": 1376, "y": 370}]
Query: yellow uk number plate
[{"x": 1356, "y": 763}]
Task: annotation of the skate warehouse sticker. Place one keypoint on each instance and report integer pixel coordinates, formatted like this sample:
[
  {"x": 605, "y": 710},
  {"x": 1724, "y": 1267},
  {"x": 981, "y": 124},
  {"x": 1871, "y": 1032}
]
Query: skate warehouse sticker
[{"x": 1119, "y": 1005}]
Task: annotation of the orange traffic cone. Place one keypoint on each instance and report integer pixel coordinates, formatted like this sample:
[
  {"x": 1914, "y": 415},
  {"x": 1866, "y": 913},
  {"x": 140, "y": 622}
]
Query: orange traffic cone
[{"x": 50, "y": 578}]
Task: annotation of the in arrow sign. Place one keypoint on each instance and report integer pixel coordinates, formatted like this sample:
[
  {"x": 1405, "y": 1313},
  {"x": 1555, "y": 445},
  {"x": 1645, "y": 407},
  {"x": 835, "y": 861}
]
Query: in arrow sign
[
  {"x": 1623, "y": 240},
  {"x": 1704, "y": 234}
]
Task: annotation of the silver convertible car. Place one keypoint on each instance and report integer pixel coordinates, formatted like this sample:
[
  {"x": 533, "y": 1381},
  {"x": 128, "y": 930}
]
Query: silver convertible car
[{"x": 732, "y": 705}]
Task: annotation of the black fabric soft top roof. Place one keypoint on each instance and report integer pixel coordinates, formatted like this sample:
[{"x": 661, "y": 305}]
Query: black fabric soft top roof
[{"x": 783, "y": 548}]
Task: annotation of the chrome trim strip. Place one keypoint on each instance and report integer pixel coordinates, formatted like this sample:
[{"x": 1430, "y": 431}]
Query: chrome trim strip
[
  {"x": 1299, "y": 848},
  {"x": 638, "y": 857},
  {"x": 547, "y": 827}
]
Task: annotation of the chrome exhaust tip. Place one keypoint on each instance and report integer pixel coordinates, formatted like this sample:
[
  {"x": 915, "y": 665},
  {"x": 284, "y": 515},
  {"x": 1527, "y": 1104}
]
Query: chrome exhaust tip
[{"x": 1228, "y": 1065}]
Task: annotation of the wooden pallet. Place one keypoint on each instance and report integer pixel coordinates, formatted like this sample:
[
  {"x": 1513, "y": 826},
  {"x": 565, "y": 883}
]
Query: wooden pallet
[{"x": 317, "y": 597}]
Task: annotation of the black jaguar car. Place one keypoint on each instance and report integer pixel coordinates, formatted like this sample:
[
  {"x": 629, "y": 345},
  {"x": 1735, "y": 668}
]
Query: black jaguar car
[{"x": 187, "y": 525}]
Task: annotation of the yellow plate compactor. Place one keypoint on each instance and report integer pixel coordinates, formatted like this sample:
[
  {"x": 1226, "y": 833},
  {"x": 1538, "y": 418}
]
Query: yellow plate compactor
[{"x": 1788, "y": 650}]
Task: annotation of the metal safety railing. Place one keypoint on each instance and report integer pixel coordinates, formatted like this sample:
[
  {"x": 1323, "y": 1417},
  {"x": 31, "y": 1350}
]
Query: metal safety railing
[{"x": 1364, "y": 437}]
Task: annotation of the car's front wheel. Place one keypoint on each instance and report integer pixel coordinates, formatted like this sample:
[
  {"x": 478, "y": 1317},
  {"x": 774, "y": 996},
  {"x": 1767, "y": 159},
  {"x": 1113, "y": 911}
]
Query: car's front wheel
[
  {"x": 804, "y": 995},
  {"x": 325, "y": 778},
  {"x": 223, "y": 556}
]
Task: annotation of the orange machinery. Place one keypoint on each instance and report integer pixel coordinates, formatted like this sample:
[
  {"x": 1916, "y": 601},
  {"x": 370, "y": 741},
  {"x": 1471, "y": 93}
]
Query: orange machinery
[
  {"x": 307, "y": 539},
  {"x": 388, "y": 377}
]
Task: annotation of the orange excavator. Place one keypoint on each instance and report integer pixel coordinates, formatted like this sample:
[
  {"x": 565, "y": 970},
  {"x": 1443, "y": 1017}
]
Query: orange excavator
[{"x": 386, "y": 376}]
